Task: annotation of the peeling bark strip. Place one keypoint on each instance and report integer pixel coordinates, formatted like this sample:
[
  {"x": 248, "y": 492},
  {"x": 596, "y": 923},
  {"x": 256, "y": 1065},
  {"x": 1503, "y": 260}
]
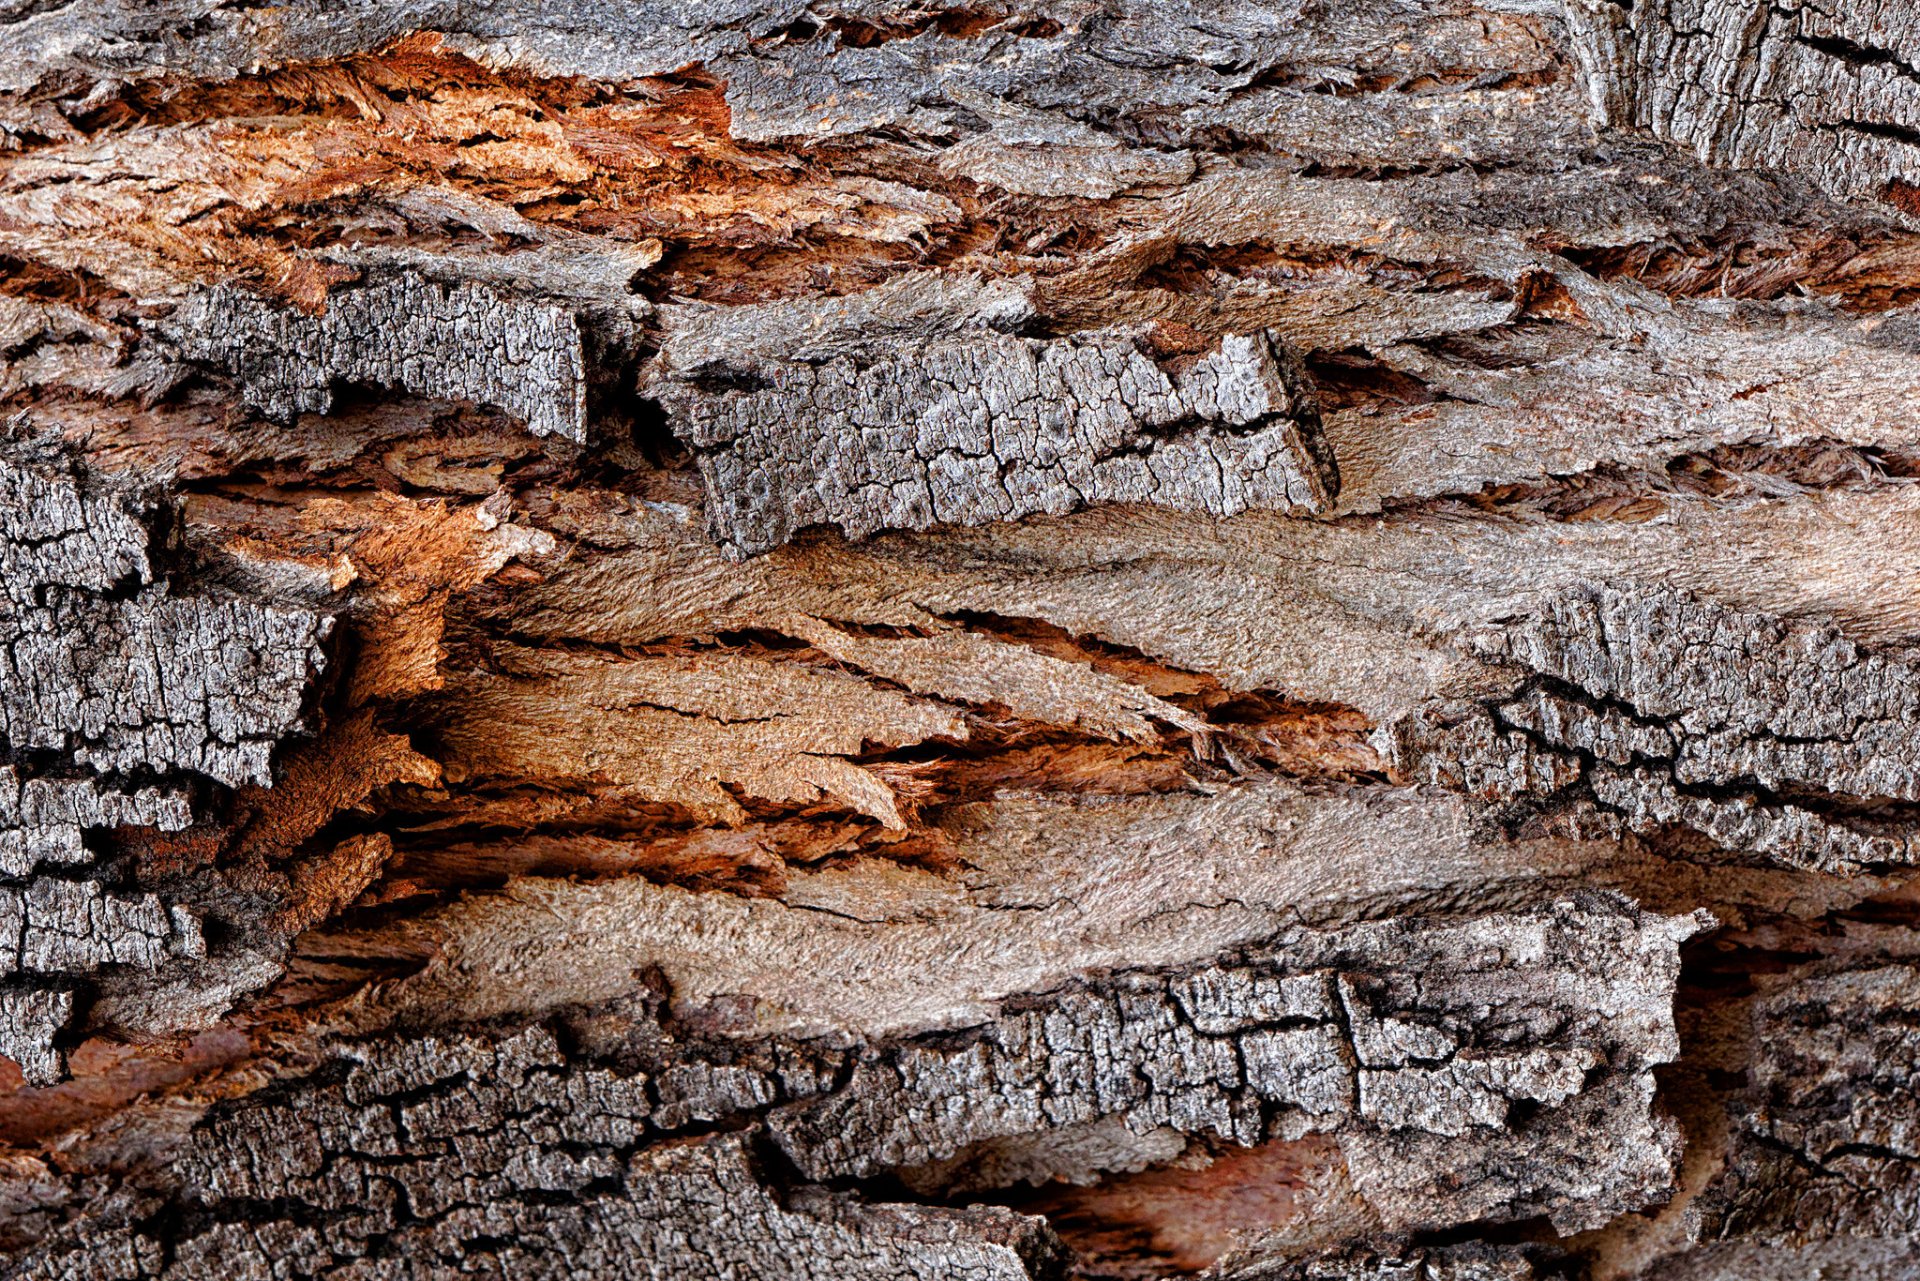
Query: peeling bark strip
[
  {"x": 1379, "y": 741},
  {"x": 1369, "y": 1033},
  {"x": 422, "y": 1150},
  {"x": 1776, "y": 741},
  {"x": 464, "y": 342},
  {"x": 798, "y": 417},
  {"x": 103, "y": 668}
]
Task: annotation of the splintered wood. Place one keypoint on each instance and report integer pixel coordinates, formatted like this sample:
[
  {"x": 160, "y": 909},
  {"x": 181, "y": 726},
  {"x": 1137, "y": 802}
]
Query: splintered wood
[{"x": 815, "y": 639}]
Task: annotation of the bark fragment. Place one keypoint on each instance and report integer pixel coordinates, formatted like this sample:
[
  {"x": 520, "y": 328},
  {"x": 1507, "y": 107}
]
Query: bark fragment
[
  {"x": 120, "y": 675},
  {"x": 464, "y": 342},
  {"x": 106, "y": 672},
  {"x": 1764, "y": 736},
  {"x": 44, "y": 820},
  {"x": 451, "y": 1153},
  {"x": 1368, "y": 1032},
  {"x": 157, "y": 681},
  {"x": 30, "y": 1019},
  {"x": 974, "y": 426},
  {"x": 1824, "y": 1145},
  {"x": 1470, "y": 1263},
  {"x": 1278, "y": 1046},
  {"x": 1806, "y": 1166}
]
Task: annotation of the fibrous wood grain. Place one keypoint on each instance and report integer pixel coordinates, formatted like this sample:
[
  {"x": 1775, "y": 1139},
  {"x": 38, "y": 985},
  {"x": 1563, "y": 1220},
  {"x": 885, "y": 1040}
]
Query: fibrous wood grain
[{"x": 839, "y": 638}]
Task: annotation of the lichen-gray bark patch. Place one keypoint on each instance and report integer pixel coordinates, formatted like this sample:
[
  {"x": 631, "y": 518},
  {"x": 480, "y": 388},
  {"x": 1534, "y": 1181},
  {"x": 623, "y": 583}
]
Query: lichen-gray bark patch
[
  {"x": 1826, "y": 1139},
  {"x": 452, "y": 342},
  {"x": 58, "y": 530},
  {"x": 1828, "y": 88},
  {"x": 112, "y": 669},
  {"x": 157, "y": 681},
  {"x": 30, "y": 1020},
  {"x": 459, "y": 1153},
  {"x": 55, "y": 931},
  {"x": 44, "y": 820},
  {"x": 1424, "y": 1045},
  {"x": 104, "y": 671},
  {"x": 1780, "y": 741},
  {"x": 817, "y": 1234},
  {"x": 1471, "y": 1262},
  {"x": 63, "y": 928},
  {"x": 1376, "y": 1032},
  {"x": 969, "y": 426}
]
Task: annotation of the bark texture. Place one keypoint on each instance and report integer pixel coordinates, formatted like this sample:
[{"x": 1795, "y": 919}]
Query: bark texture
[{"x": 854, "y": 639}]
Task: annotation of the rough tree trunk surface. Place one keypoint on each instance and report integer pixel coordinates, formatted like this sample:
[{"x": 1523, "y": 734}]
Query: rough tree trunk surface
[{"x": 963, "y": 640}]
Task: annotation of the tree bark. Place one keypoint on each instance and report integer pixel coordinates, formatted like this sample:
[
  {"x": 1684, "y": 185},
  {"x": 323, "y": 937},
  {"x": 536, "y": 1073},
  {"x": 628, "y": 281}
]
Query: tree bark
[{"x": 858, "y": 639}]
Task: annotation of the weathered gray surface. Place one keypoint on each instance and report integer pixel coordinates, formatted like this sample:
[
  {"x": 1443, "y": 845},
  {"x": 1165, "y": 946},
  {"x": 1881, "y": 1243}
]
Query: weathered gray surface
[
  {"x": 1775, "y": 741},
  {"x": 455, "y": 1155},
  {"x": 1825, "y": 1143},
  {"x": 927, "y": 427},
  {"x": 58, "y": 531},
  {"x": 60, "y": 931},
  {"x": 460, "y": 342},
  {"x": 44, "y": 820},
  {"x": 1827, "y": 89},
  {"x": 1470, "y": 1263},
  {"x": 107, "y": 671},
  {"x": 1374, "y": 1032},
  {"x": 1368, "y": 1032},
  {"x": 165, "y": 682},
  {"x": 30, "y": 1019},
  {"x": 74, "y": 927},
  {"x": 1808, "y": 1167},
  {"x": 117, "y": 672},
  {"x": 1082, "y": 607}
]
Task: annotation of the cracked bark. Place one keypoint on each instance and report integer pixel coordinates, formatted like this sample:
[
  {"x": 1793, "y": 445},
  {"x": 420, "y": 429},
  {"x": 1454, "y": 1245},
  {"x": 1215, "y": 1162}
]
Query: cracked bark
[{"x": 1089, "y": 640}]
